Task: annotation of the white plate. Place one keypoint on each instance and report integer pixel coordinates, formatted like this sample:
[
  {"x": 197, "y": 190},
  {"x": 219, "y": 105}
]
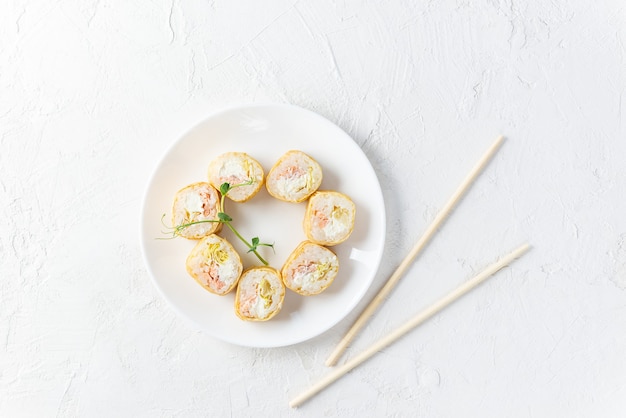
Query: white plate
[{"x": 265, "y": 132}]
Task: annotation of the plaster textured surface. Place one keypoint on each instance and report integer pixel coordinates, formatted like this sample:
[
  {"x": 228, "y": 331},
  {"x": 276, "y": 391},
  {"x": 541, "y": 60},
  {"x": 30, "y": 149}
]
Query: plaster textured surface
[{"x": 92, "y": 94}]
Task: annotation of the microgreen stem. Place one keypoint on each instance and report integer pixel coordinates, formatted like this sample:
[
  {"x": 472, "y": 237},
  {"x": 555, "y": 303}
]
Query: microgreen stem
[
  {"x": 254, "y": 251},
  {"x": 225, "y": 219},
  {"x": 175, "y": 230}
]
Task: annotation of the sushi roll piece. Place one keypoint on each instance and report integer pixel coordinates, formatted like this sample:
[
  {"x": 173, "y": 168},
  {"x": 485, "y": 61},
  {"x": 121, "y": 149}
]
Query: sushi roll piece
[
  {"x": 236, "y": 168},
  {"x": 215, "y": 265},
  {"x": 193, "y": 203},
  {"x": 294, "y": 177},
  {"x": 329, "y": 218},
  {"x": 260, "y": 294},
  {"x": 310, "y": 269}
]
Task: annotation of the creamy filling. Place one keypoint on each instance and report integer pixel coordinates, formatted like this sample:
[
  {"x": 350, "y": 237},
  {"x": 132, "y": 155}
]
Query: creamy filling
[
  {"x": 338, "y": 223},
  {"x": 312, "y": 276},
  {"x": 193, "y": 204},
  {"x": 234, "y": 171},
  {"x": 289, "y": 186}
]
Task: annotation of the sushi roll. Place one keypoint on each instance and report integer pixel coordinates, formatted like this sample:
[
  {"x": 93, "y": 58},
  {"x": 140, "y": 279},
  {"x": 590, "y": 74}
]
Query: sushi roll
[
  {"x": 294, "y": 177},
  {"x": 193, "y": 203},
  {"x": 237, "y": 168},
  {"x": 329, "y": 218},
  {"x": 260, "y": 294},
  {"x": 310, "y": 269},
  {"x": 215, "y": 264}
]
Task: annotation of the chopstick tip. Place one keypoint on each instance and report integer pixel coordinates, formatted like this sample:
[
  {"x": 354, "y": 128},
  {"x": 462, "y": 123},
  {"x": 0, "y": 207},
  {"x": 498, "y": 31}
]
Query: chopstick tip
[
  {"x": 337, "y": 352},
  {"x": 525, "y": 248}
]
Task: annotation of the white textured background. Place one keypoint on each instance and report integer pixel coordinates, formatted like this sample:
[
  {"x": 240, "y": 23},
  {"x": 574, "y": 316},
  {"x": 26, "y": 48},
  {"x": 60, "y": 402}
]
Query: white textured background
[{"x": 92, "y": 93}]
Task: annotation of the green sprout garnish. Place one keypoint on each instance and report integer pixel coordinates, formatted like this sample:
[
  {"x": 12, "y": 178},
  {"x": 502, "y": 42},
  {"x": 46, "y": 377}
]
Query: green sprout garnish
[
  {"x": 257, "y": 243},
  {"x": 224, "y": 218}
]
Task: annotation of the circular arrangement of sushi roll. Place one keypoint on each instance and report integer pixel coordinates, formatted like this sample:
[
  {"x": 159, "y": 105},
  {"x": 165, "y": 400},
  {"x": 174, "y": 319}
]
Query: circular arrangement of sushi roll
[
  {"x": 329, "y": 218},
  {"x": 294, "y": 177},
  {"x": 236, "y": 168},
  {"x": 310, "y": 269},
  {"x": 193, "y": 203},
  {"x": 260, "y": 294},
  {"x": 215, "y": 264}
]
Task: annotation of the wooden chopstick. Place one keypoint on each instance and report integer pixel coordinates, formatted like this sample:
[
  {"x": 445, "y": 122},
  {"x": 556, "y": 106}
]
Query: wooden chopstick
[
  {"x": 409, "y": 325},
  {"x": 428, "y": 234}
]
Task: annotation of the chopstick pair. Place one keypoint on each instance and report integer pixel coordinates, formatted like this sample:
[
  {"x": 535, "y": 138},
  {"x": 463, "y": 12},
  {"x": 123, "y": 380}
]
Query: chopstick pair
[{"x": 395, "y": 277}]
